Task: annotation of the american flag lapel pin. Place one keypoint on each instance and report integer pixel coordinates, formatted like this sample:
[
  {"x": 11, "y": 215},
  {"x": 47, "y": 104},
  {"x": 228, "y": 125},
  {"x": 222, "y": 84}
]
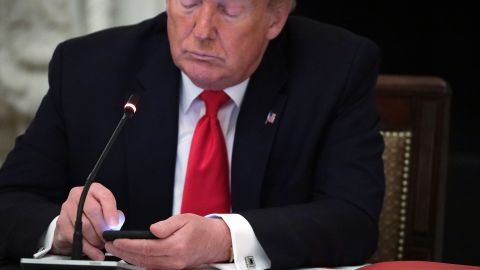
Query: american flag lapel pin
[{"x": 270, "y": 118}]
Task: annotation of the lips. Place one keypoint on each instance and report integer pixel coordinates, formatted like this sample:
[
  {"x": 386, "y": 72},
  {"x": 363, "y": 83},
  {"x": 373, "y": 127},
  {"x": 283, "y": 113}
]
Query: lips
[{"x": 203, "y": 56}]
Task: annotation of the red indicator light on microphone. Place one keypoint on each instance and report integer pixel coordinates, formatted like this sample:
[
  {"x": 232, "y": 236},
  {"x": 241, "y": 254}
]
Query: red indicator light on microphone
[{"x": 130, "y": 107}]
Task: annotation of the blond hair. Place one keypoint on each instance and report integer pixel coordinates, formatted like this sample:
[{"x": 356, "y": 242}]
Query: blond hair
[{"x": 272, "y": 3}]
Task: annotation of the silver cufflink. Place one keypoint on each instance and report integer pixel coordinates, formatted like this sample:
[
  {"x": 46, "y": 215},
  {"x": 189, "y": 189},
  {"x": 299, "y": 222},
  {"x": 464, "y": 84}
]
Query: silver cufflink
[{"x": 250, "y": 262}]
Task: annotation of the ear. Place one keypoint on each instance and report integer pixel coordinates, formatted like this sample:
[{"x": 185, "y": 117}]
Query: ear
[{"x": 278, "y": 17}]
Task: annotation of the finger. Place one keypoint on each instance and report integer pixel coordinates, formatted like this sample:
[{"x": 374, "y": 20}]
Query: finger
[
  {"x": 157, "y": 247},
  {"x": 92, "y": 252},
  {"x": 90, "y": 233},
  {"x": 121, "y": 221},
  {"x": 150, "y": 262},
  {"x": 98, "y": 225},
  {"x": 70, "y": 207},
  {"x": 99, "y": 204},
  {"x": 125, "y": 255},
  {"x": 94, "y": 235},
  {"x": 166, "y": 228},
  {"x": 100, "y": 207},
  {"x": 93, "y": 212},
  {"x": 63, "y": 234},
  {"x": 108, "y": 203}
]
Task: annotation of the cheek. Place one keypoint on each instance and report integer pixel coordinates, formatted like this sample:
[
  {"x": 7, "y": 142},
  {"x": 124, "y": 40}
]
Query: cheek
[
  {"x": 175, "y": 35},
  {"x": 179, "y": 26},
  {"x": 246, "y": 47}
]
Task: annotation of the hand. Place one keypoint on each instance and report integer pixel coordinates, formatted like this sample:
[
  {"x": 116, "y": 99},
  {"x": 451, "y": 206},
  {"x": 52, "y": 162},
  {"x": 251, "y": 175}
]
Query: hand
[
  {"x": 185, "y": 240},
  {"x": 100, "y": 213}
]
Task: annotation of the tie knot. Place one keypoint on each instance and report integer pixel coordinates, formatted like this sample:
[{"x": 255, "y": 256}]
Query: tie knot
[{"x": 214, "y": 100}]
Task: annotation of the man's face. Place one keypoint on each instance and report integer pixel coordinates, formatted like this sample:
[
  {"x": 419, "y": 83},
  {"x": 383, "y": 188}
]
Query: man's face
[{"x": 220, "y": 43}]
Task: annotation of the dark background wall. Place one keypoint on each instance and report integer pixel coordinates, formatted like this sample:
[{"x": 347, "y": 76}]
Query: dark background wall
[{"x": 424, "y": 38}]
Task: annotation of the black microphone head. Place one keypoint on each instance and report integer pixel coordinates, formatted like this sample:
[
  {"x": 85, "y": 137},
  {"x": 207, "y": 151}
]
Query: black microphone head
[{"x": 131, "y": 106}]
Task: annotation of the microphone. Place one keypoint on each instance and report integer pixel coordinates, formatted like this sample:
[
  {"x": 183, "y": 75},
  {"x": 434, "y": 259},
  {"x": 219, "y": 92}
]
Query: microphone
[
  {"x": 128, "y": 111},
  {"x": 76, "y": 261}
]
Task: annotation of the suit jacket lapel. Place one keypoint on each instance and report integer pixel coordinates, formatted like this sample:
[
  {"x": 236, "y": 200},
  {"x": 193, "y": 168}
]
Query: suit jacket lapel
[
  {"x": 254, "y": 134},
  {"x": 152, "y": 138}
]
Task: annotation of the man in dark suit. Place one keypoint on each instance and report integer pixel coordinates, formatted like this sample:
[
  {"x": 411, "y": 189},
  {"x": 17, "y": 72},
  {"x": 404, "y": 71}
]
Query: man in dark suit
[{"x": 299, "y": 125}]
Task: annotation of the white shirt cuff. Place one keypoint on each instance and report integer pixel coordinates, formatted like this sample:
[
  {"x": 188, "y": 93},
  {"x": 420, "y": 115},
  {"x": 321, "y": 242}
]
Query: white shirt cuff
[
  {"x": 247, "y": 251},
  {"x": 47, "y": 241}
]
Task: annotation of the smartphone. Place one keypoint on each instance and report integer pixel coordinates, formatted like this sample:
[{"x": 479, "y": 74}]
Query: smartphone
[{"x": 112, "y": 235}]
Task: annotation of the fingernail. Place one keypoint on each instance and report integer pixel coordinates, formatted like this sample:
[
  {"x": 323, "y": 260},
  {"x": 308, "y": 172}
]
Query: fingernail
[
  {"x": 112, "y": 222},
  {"x": 117, "y": 223}
]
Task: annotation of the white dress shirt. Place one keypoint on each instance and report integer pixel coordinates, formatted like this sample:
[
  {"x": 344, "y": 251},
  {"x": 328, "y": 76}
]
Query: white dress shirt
[
  {"x": 248, "y": 253},
  {"x": 246, "y": 248}
]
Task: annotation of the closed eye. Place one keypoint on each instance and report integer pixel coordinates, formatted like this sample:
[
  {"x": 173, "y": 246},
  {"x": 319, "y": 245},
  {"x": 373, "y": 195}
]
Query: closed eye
[
  {"x": 189, "y": 4},
  {"x": 231, "y": 11}
]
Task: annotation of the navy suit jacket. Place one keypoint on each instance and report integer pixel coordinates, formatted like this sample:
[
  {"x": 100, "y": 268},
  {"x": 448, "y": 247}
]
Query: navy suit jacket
[{"x": 311, "y": 183}]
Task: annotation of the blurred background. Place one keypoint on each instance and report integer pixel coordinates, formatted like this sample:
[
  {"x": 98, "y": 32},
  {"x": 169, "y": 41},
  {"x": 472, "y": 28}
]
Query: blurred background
[
  {"x": 416, "y": 38},
  {"x": 30, "y": 31}
]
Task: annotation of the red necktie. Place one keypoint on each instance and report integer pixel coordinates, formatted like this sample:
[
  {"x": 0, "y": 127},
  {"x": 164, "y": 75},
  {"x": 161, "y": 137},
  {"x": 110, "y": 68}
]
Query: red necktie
[{"x": 206, "y": 188}]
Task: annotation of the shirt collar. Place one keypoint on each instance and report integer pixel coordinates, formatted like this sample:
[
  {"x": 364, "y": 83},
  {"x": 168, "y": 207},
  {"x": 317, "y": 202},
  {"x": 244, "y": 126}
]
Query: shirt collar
[{"x": 189, "y": 92}]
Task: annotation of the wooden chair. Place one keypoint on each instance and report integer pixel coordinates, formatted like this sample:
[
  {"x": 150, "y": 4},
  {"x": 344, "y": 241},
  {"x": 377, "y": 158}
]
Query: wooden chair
[{"x": 414, "y": 115}]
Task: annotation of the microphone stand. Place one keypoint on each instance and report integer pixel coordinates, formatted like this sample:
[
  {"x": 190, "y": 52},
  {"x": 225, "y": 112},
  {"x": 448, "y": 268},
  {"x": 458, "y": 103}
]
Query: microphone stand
[{"x": 128, "y": 112}]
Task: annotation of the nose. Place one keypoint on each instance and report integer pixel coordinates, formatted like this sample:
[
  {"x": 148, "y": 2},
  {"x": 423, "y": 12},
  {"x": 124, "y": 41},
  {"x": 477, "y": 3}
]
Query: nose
[{"x": 205, "y": 28}]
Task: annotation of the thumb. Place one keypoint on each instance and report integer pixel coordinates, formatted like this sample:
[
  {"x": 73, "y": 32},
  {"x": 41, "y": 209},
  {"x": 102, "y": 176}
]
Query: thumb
[
  {"x": 120, "y": 221},
  {"x": 166, "y": 228}
]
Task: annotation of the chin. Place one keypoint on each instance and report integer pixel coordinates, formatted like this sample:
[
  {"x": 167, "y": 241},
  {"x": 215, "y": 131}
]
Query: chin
[
  {"x": 204, "y": 79},
  {"x": 205, "y": 75},
  {"x": 207, "y": 83}
]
